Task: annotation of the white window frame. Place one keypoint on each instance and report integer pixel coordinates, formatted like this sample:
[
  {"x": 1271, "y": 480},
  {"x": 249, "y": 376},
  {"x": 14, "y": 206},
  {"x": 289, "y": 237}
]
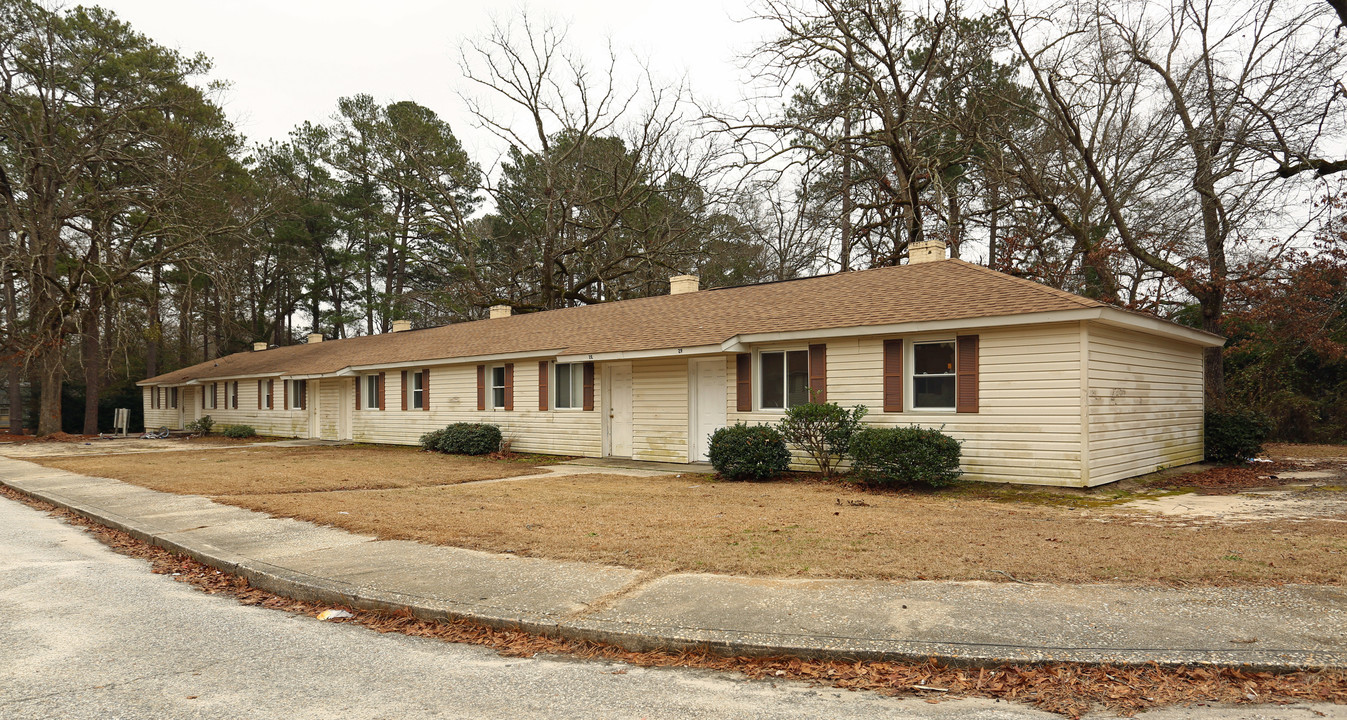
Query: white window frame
[
  {"x": 491, "y": 387},
  {"x": 785, "y": 376},
  {"x": 576, "y": 380},
  {"x": 911, "y": 379},
  {"x": 267, "y": 388},
  {"x": 416, "y": 394},
  {"x": 296, "y": 393},
  {"x": 212, "y": 397},
  {"x": 369, "y": 385},
  {"x": 173, "y": 397}
]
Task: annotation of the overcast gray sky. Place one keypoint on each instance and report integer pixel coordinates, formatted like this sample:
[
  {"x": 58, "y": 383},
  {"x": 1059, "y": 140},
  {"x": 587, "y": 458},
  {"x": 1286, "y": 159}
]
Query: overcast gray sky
[{"x": 289, "y": 60}]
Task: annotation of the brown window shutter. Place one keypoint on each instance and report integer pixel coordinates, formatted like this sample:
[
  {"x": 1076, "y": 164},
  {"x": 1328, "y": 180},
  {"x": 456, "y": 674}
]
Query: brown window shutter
[
  {"x": 966, "y": 391},
  {"x": 215, "y": 396},
  {"x": 203, "y": 397},
  {"x": 509, "y": 386},
  {"x": 259, "y": 393},
  {"x": 382, "y": 394},
  {"x": 357, "y": 391},
  {"x": 303, "y": 394},
  {"x": 425, "y": 389},
  {"x": 589, "y": 386},
  {"x": 818, "y": 373},
  {"x": 481, "y": 387},
  {"x": 285, "y": 394},
  {"x": 893, "y": 376},
  {"x": 743, "y": 382},
  {"x": 542, "y": 384},
  {"x": 404, "y": 389}
]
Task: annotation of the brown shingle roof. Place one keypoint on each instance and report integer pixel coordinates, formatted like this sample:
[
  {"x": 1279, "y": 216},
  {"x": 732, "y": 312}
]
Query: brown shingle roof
[{"x": 946, "y": 290}]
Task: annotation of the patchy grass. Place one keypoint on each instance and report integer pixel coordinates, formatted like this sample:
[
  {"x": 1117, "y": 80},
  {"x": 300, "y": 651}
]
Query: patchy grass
[
  {"x": 669, "y": 524},
  {"x": 268, "y": 470}
]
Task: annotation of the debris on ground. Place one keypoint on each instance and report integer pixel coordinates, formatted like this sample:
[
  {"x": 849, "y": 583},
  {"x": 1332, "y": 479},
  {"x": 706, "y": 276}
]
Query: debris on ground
[
  {"x": 334, "y": 615},
  {"x": 1234, "y": 478},
  {"x": 1067, "y": 689}
]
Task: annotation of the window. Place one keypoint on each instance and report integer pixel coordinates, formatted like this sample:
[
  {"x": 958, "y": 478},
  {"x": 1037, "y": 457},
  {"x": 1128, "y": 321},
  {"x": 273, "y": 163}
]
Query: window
[
  {"x": 267, "y": 393},
  {"x": 297, "y": 388},
  {"x": 498, "y": 387},
  {"x": 208, "y": 400},
  {"x": 234, "y": 395},
  {"x": 418, "y": 390},
  {"x": 172, "y": 397},
  {"x": 371, "y": 392},
  {"x": 570, "y": 386},
  {"x": 785, "y": 379},
  {"x": 933, "y": 375}
]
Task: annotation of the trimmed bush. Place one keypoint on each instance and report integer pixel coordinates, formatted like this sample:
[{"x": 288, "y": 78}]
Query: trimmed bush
[
  {"x": 201, "y": 425},
  {"x": 823, "y": 430},
  {"x": 431, "y": 440},
  {"x": 749, "y": 452},
  {"x": 238, "y": 431},
  {"x": 905, "y": 455},
  {"x": 467, "y": 439},
  {"x": 1235, "y": 436}
]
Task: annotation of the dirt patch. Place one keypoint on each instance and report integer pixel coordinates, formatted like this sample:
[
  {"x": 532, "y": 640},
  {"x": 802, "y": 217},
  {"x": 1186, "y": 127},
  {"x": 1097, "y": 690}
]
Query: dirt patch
[
  {"x": 268, "y": 470},
  {"x": 1277, "y": 451},
  {"x": 59, "y": 437},
  {"x": 669, "y": 524},
  {"x": 1070, "y": 690},
  {"x": 1234, "y": 478}
]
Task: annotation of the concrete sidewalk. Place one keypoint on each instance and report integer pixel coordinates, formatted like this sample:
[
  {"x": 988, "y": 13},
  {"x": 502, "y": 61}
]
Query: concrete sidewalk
[{"x": 964, "y": 622}]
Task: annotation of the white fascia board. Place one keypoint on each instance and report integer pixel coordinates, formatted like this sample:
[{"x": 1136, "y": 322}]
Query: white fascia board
[
  {"x": 641, "y": 354},
  {"x": 205, "y": 380},
  {"x": 498, "y": 357},
  {"x": 1155, "y": 326},
  {"x": 738, "y": 343}
]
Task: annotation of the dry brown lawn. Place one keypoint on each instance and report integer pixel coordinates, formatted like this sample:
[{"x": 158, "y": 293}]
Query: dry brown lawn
[
  {"x": 692, "y": 523},
  {"x": 254, "y": 470},
  {"x": 668, "y": 524},
  {"x": 1304, "y": 450}
]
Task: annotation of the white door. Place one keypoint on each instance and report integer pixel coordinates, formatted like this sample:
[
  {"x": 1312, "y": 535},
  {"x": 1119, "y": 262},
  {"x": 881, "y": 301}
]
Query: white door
[
  {"x": 707, "y": 402},
  {"x": 617, "y": 400},
  {"x": 312, "y": 393},
  {"x": 346, "y": 402}
]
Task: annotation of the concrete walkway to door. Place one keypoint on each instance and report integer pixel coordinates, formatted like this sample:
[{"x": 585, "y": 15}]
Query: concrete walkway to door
[{"x": 983, "y": 623}]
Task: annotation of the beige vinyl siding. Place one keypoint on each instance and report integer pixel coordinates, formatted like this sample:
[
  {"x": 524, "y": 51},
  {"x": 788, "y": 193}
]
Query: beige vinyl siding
[
  {"x": 277, "y": 423},
  {"x": 1145, "y": 403},
  {"x": 164, "y": 416},
  {"x": 453, "y": 398},
  {"x": 1028, "y": 427},
  {"x": 659, "y": 410}
]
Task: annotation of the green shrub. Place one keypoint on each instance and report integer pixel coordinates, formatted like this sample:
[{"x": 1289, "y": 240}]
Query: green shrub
[
  {"x": 1235, "y": 436},
  {"x": 823, "y": 430},
  {"x": 905, "y": 455},
  {"x": 431, "y": 440},
  {"x": 468, "y": 439},
  {"x": 748, "y": 452},
  {"x": 201, "y": 425},
  {"x": 238, "y": 431}
]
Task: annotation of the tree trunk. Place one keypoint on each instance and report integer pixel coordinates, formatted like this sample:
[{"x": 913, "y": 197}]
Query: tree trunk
[
  {"x": 153, "y": 328},
  {"x": 993, "y": 227},
  {"x": 16, "y": 364},
  {"x": 1213, "y": 366},
  {"x": 51, "y": 367},
  {"x": 92, "y": 360}
]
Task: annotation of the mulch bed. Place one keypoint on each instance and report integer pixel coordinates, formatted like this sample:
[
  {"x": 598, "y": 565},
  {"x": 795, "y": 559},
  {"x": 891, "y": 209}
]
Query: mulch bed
[
  {"x": 52, "y": 438},
  {"x": 1068, "y": 689}
]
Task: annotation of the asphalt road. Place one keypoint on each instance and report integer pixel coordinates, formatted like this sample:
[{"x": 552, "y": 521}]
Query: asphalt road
[{"x": 87, "y": 633}]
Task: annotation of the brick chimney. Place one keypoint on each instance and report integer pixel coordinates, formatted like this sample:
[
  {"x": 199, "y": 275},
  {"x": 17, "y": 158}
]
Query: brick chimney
[
  {"x": 925, "y": 251},
  {"x": 680, "y": 284},
  {"x": 315, "y": 338},
  {"x": 500, "y": 311},
  {"x": 259, "y": 346},
  {"x": 401, "y": 325}
]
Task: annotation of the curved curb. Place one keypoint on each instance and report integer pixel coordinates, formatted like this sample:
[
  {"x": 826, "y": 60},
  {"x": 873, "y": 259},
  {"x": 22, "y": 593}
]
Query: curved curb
[{"x": 646, "y": 636}]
